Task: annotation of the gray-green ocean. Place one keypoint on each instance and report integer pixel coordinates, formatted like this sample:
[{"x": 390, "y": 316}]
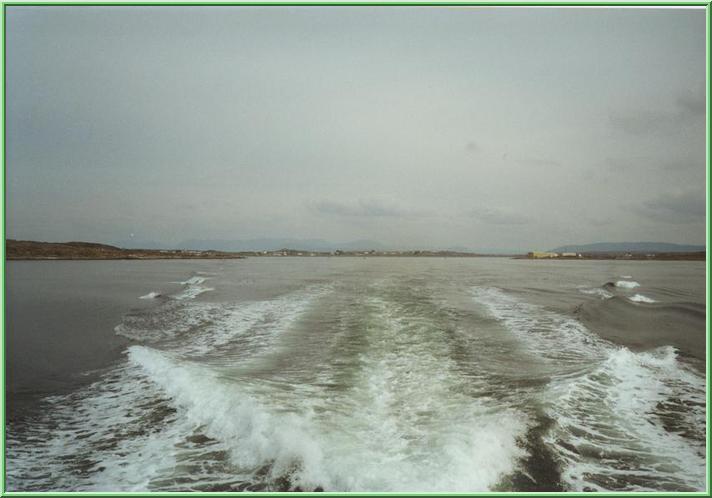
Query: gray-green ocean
[{"x": 356, "y": 374}]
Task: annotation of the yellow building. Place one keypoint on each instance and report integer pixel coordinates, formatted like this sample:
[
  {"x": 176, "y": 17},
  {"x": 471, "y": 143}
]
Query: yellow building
[{"x": 543, "y": 255}]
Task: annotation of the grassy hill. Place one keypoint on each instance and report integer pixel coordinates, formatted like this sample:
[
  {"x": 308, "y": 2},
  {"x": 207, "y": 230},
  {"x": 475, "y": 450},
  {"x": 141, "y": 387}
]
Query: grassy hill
[{"x": 28, "y": 249}]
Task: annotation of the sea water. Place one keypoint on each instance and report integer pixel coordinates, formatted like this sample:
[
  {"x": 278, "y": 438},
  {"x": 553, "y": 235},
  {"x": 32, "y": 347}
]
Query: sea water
[{"x": 356, "y": 374}]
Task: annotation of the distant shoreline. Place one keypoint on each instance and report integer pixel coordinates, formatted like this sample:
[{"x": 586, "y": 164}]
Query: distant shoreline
[
  {"x": 662, "y": 257},
  {"x": 27, "y": 250}
]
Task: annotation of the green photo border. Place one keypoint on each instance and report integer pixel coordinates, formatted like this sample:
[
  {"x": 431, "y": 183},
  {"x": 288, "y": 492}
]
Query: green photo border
[{"x": 333, "y": 4}]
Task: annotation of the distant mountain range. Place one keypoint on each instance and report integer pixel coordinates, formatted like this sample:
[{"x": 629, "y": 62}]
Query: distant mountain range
[
  {"x": 648, "y": 247},
  {"x": 272, "y": 244}
]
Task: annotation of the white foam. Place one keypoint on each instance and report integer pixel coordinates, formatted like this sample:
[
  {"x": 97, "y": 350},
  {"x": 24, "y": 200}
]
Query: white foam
[
  {"x": 560, "y": 341},
  {"x": 193, "y": 288},
  {"x": 253, "y": 434},
  {"x": 96, "y": 439},
  {"x": 151, "y": 295},
  {"x": 204, "y": 326},
  {"x": 194, "y": 281},
  {"x": 257, "y": 324},
  {"x": 626, "y": 276},
  {"x": 405, "y": 423},
  {"x": 596, "y": 291},
  {"x": 192, "y": 292},
  {"x": 168, "y": 320},
  {"x": 373, "y": 438},
  {"x": 640, "y": 298},
  {"x": 413, "y": 425},
  {"x": 625, "y": 284},
  {"x": 611, "y": 417},
  {"x": 610, "y": 424}
]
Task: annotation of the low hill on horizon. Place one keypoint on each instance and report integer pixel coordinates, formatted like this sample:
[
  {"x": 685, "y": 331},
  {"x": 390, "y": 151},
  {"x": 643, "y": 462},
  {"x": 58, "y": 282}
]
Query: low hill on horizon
[
  {"x": 273, "y": 244},
  {"x": 30, "y": 249},
  {"x": 647, "y": 247}
]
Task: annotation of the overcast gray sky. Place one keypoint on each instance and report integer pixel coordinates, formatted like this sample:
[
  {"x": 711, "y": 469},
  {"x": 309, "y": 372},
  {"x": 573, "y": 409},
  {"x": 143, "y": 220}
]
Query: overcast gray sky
[{"x": 513, "y": 128}]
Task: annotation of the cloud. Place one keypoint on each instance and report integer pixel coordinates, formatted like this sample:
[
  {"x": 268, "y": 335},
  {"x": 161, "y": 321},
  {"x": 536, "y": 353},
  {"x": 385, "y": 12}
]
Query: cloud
[
  {"x": 643, "y": 122},
  {"x": 598, "y": 221},
  {"x": 313, "y": 113},
  {"x": 365, "y": 208},
  {"x": 614, "y": 164},
  {"x": 693, "y": 102},
  {"x": 538, "y": 162},
  {"x": 494, "y": 216},
  {"x": 472, "y": 147},
  {"x": 656, "y": 168},
  {"x": 688, "y": 107},
  {"x": 678, "y": 207}
]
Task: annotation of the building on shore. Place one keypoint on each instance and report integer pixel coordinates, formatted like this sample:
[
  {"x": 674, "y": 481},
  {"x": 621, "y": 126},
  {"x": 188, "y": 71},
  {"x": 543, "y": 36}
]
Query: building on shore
[{"x": 542, "y": 255}]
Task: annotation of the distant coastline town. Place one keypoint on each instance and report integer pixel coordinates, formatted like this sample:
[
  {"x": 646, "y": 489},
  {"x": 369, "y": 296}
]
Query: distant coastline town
[
  {"x": 33, "y": 250},
  {"x": 636, "y": 255}
]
